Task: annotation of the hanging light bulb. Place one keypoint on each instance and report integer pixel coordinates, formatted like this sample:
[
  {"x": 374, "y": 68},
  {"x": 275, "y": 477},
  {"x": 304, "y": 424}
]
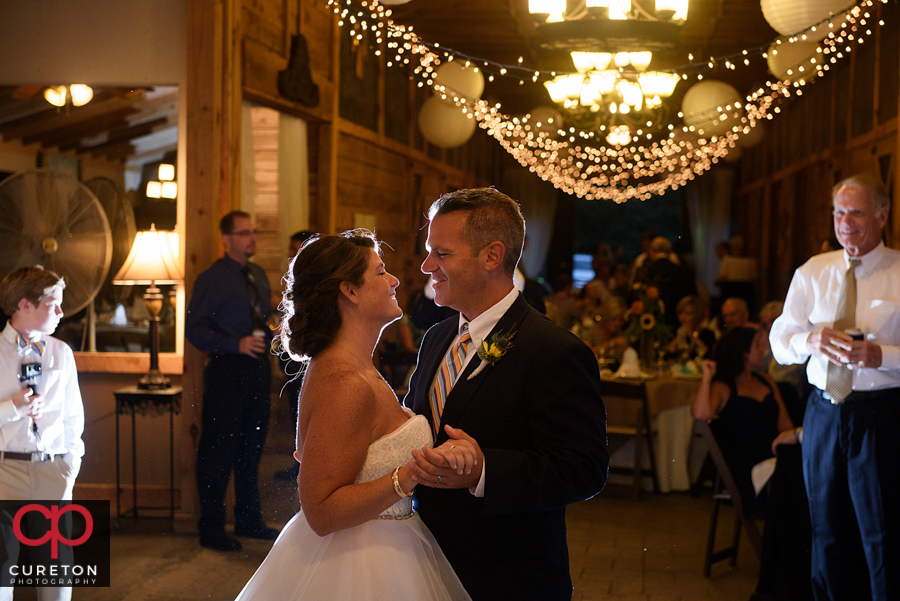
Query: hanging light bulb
[
  {"x": 81, "y": 94},
  {"x": 56, "y": 95}
]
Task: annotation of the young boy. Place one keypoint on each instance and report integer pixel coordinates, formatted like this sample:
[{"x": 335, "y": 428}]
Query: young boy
[{"x": 41, "y": 415}]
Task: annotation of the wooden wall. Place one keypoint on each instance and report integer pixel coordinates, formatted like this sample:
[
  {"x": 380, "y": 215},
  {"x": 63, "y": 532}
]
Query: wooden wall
[
  {"x": 844, "y": 124},
  {"x": 366, "y": 155},
  {"x": 376, "y": 166}
]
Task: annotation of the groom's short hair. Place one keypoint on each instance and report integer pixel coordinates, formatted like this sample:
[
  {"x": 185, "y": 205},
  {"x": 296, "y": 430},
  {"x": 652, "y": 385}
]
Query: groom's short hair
[{"x": 492, "y": 216}]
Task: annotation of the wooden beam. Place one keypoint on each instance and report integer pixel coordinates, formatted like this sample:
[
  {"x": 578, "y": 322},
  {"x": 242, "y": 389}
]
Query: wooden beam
[
  {"x": 120, "y": 134},
  {"x": 40, "y": 122},
  {"x": 82, "y": 128}
]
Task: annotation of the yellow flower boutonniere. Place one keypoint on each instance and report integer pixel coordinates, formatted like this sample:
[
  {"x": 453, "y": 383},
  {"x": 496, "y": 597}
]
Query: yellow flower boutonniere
[{"x": 492, "y": 349}]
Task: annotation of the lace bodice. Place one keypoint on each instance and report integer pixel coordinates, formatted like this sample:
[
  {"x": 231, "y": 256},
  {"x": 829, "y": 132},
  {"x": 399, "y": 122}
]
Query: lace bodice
[{"x": 395, "y": 449}]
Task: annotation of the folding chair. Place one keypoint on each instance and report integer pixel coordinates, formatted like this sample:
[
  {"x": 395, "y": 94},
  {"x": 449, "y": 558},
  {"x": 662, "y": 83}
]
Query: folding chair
[
  {"x": 627, "y": 415},
  {"x": 725, "y": 490}
]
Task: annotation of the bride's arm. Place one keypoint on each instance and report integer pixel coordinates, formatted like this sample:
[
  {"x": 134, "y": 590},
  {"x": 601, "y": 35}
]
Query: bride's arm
[{"x": 336, "y": 435}]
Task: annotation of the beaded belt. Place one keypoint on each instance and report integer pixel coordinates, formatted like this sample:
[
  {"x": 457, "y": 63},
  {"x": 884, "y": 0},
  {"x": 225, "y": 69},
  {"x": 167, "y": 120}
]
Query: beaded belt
[{"x": 405, "y": 516}]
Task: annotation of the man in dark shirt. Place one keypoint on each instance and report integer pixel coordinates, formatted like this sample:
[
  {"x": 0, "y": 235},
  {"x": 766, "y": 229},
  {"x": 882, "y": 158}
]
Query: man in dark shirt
[{"x": 227, "y": 318}]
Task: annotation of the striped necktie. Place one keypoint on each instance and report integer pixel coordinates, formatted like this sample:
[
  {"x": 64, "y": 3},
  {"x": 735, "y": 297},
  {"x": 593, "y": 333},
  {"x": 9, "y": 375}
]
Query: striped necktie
[
  {"x": 447, "y": 374},
  {"x": 839, "y": 384},
  {"x": 24, "y": 346}
]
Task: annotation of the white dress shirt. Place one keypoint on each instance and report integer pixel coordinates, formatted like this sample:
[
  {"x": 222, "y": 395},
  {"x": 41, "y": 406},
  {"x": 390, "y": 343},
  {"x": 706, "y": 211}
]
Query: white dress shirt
[
  {"x": 811, "y": 303},
  {"x": 62, "y": 423},
  {"x": 479, "y": 328}
]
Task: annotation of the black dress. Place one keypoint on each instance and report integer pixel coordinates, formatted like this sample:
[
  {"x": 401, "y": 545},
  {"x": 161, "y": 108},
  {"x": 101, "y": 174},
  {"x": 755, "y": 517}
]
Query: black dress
[{"x": 745, "y": 429}]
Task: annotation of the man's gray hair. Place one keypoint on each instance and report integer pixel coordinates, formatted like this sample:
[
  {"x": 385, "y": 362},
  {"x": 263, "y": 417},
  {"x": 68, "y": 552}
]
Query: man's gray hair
[{"x": 871, "y": 186}]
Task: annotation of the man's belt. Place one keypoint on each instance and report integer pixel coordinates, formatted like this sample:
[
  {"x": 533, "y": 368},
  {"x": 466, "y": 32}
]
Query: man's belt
[{"x": 36, "y": 456}]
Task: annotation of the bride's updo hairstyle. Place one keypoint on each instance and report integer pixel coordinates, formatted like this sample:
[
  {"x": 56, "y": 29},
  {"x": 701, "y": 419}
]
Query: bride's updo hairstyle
[{"x": 310, "y": 305}]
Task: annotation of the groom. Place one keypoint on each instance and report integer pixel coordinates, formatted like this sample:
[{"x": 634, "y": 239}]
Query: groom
[{"x": 533, "y": 413}]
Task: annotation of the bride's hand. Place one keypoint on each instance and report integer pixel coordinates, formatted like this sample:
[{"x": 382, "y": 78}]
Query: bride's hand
[{"x": 459, "y": 455}]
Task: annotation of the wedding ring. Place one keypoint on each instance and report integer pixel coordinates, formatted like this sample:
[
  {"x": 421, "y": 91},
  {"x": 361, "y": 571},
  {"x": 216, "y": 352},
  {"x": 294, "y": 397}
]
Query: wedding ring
[
  {"x": 440, "y": 478},
  {"x": 453, "y": 446}
]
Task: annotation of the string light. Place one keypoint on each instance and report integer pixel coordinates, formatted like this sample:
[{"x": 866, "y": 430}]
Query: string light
[{"x": 622, "y": 169}]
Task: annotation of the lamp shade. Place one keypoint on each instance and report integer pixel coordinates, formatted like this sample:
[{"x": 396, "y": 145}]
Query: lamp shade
[{"x": 150, "y": 260}]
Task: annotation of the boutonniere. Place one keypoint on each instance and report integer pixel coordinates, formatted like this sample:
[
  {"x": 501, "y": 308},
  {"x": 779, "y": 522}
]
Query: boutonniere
[{"x": 492, "y": 349}]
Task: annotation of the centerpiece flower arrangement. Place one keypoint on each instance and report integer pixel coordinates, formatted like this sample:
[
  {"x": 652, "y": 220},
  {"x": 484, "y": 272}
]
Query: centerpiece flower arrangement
[{"x": 645, "y": 330}]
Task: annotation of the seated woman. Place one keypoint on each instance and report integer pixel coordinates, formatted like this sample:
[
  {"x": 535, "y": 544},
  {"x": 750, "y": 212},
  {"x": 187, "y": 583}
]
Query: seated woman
[
  {"x": 691, "y": 340},
  {"x": 748, "y": 408},
  {"x": 751, "y": 423},
  {"x": 605, "y": 336}
]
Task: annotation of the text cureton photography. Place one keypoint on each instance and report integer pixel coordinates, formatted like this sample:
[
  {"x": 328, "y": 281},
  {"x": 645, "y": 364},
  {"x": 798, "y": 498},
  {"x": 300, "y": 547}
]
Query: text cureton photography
[{"x": 54, "y": 543}]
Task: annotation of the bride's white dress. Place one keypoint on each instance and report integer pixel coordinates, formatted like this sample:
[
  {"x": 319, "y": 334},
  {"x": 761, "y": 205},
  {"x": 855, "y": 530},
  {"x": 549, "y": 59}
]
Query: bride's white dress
[{"x": 394, "y": 557}]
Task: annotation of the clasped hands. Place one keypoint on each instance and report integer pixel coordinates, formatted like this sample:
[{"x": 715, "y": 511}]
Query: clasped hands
[
  {"x": 455, "y": 464},
  {"x": 840, "y": 348}
]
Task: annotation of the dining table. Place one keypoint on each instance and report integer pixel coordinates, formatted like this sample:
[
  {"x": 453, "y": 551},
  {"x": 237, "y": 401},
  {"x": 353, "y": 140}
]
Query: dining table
[{"x": 678, "y": 453}]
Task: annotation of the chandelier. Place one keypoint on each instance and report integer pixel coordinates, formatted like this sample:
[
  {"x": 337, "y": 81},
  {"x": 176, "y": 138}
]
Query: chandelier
[
  {"x": 599, "y": 99},
  {"x": 611, "y": 43}
]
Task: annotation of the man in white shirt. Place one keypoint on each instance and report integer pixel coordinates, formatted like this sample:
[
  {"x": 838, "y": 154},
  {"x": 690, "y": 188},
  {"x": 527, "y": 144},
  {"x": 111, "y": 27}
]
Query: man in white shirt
[
  {"x": 41, "y": 414},
  {"x": 851, "y": 429}
]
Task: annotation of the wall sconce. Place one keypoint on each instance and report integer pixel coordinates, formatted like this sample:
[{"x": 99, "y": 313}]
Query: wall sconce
[
  {"x": 166, "y": 187},
  {"x": 77, "y": 93},
  {"x": 151, "y": 262}
]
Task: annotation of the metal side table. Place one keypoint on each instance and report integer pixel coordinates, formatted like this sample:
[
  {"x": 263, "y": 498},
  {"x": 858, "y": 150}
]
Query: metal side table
[{"x": 147, "y": 402}]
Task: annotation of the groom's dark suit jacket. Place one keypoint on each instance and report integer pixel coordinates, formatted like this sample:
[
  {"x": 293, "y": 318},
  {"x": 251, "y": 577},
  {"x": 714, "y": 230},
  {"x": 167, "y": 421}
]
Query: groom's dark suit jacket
[{"x": 539, "y": 420}]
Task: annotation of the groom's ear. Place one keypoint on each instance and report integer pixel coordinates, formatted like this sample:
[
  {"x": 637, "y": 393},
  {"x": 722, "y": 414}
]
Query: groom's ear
[{"x": 493, "y": 254}]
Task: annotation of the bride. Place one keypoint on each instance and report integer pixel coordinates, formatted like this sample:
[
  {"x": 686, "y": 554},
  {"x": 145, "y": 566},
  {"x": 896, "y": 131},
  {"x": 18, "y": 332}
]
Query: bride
[{"x": 356, "y": 536}]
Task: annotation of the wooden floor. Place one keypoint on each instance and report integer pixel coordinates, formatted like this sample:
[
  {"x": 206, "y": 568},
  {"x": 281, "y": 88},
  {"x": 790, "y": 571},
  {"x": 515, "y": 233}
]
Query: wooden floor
[{"x": 648, "y": 549}]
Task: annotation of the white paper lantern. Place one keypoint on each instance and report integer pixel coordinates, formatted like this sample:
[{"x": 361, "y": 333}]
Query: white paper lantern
[
  {"x": 752, "y": 137},
  {"x": 789, "y": 17},
  {"x": 793, "y": 61},
  {"x": 461, "y": 80},
  {"x": 443, "y": 124},
  {"x": 545, "y": 120},
  {"x": 705, "y": 107}
]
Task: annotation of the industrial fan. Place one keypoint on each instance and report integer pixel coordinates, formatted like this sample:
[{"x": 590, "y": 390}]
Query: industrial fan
[
  {"x": 120, "y": 214},
  {"x": 50, "y": 218}
]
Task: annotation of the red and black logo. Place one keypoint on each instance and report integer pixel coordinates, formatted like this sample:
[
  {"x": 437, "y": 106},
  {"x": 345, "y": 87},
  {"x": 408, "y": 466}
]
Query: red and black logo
[{"x": 54, "y": 543}]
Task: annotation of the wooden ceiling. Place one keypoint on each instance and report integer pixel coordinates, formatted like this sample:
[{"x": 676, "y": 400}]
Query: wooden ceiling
[
  {"x": 503, "y": 31},
  {"x": 117, "y": 124},
  {"x": 127, "y": 123}
]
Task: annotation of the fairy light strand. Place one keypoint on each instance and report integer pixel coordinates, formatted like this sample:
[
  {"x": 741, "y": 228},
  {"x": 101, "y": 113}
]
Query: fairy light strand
[{"x": 652, "y": 162}]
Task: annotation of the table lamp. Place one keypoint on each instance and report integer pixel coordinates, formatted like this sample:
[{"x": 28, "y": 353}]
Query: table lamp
[{"x": 151, "y": 262}]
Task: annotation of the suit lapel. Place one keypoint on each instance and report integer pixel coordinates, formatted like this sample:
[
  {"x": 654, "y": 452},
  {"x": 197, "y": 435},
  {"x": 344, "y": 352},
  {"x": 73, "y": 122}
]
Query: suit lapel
[{"x": 464, "y": 390}]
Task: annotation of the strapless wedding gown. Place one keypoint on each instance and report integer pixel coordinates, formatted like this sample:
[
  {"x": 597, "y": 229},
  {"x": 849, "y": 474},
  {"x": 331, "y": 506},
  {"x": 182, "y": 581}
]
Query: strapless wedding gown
[{"x": 393, "y": 557}]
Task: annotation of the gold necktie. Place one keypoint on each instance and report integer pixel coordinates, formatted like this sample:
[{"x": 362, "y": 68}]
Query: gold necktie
[{"x": 840, "y": 378}]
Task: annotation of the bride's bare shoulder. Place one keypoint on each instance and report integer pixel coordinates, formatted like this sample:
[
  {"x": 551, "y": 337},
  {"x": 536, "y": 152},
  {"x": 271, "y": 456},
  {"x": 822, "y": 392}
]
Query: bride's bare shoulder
[{"x": 336, "y": 383}]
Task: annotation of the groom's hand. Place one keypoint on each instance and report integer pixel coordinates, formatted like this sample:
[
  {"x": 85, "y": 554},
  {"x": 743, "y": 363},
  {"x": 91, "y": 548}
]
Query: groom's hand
[{"x": 432, "y": 468}]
